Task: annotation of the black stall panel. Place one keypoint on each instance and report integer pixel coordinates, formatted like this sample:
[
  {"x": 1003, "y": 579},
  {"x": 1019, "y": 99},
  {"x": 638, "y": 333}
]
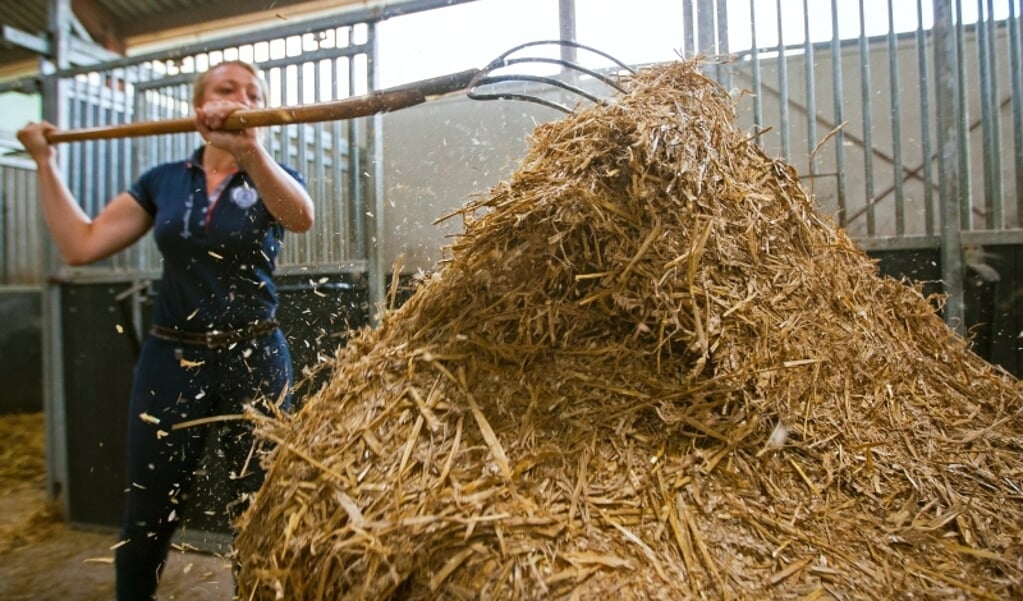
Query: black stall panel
[
  {"x": 21, "y": 355},
  {"x": 318, "y": 315},
  {"x": 98, "y": 360},
  {"x": 99, "y": 355},
  {"x": 992, "y": 296}
]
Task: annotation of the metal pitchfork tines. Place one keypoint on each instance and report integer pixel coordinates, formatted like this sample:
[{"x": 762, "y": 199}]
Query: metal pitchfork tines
[
  {"x": 492, "y": 81},
  {"x": 500, "y": 79}
]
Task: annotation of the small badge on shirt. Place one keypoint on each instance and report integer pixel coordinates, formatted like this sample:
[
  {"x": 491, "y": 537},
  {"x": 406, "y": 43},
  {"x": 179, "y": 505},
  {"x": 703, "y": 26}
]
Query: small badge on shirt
[{"x": 244, "y": 196}]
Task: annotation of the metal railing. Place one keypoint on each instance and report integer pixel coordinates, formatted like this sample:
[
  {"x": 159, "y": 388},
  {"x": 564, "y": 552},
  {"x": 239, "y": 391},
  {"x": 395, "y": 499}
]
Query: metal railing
[
  {"x": 313, "y": 67},
  {"x": 849, "y": 97}
]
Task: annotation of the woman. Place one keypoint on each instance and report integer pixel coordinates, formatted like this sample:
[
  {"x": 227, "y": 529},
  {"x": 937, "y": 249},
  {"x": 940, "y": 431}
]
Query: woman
[{"x": 218, "y": 219}]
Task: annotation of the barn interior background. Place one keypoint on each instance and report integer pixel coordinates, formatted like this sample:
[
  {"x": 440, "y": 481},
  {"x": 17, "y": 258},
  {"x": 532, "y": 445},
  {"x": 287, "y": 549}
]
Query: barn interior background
[{"x": 905, "y": 120}]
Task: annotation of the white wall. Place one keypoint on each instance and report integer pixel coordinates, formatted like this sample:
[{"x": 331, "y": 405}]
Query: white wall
[
  {"x": 437, "y": 155},
  {"x": 17, "y": 109}
]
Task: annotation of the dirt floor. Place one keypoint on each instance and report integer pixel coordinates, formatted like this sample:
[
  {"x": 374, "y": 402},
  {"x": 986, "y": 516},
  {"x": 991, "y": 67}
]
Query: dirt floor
[{"x": 42, "y": 559}]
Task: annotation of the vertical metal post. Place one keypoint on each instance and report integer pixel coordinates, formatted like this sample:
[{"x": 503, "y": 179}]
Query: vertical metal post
[
  {"x": 338, "y": 227},
  {"x": 1016, "y": 67},
  {"x": 758, "y": 104},
  {"x": 356, "y": 244},
  {"x": 55, "y": 111},
  {"x": 811, "y": 92},
  {"x": 688, "y": 30},
  {"x": 783, "y": 86},
  {"x": 377, "y": 264},
  {"x": 894, "y": 85},
  {"x": 837, "y": 94},
  {"x": 866, "y": 98},
  {"x": 925, "y": 118},
  {"x": 566, "y": 27},
  {"x": 946, "y": 95},
  {"x": 724, "y": 75},
  {"x": 705, "y": 27},
  {"x": 316, "y": 166},
  {"x": 989, "y": 116},
  {"x": 963, "y": 130}
]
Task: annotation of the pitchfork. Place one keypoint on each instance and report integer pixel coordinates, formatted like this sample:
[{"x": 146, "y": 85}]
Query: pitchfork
[{"x": 497, "y": 80}]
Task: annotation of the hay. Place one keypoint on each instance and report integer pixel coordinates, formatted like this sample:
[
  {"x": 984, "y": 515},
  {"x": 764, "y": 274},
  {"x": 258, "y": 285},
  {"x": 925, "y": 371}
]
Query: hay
[
  {"x": 649, "y": 370},
  {"x": 23, "y": 452},
  {"x": 22, "y": 467}
]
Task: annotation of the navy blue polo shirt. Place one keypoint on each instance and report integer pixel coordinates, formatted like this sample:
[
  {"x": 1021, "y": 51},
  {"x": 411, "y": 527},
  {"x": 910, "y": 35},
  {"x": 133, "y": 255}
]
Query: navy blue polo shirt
[{"x": 219, "y": 255}]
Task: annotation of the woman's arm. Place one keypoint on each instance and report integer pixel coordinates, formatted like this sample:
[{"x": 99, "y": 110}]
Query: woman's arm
[
  {"x": 285, "y": 198},
  {"x": 79, "y": 239},
  {"x": 282, "y": 194}
]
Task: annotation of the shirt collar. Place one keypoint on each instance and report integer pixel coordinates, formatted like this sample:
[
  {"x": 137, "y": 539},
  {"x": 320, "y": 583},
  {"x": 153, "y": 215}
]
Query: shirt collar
[{"x": 195, "y": 161}]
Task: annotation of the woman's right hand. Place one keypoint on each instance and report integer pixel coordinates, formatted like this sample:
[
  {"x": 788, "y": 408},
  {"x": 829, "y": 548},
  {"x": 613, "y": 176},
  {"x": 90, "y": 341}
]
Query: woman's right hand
[{"x": 33, "y": 138}]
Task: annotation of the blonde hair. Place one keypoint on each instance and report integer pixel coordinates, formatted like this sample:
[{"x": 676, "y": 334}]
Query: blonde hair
[{"x": 203, "y": 79}]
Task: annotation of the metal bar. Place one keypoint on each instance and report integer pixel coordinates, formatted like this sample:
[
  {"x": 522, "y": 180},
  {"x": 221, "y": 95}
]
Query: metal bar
[
  {"x": 925, "y": 118},
  {"x": 1015, "y": 68},
  {"x": 811, "y": 92},
  {"x": 25, "y": 40},
  {"x": 947, "y": 100},
  {"x": 54, "y": 100},
  {"x": 378, "y": 263},
  {"x": 837, "y": 92},
  {"x": 75, "y": 118},
  {"x": 138, "y": 159},
  {"x": 850, "y": 138},
  {"x": 758, "y": 103},
  {"x": 868, "y": 124},
  {"x": 302, "y": 153},
  {"x": 705, "y": 33},
  {"x": 725, "y": 74},
  {"x": 783, "y": 86},
  {"x": 985, "y": 111},
  {"x": 319, "y": 167},
  {"x": 91, "y": 111},
  {"x": 337, "y": 163},
  {"x": 896, "y": 122},
  {"x": 120, "y": 177},
  {"x": 688, "y": 30},
  {"x": 357, "y": 245},
  {"x": 566, "y": 26},
  {"x": 962, "y": 137},
  {"x": 993, "y": 161}
]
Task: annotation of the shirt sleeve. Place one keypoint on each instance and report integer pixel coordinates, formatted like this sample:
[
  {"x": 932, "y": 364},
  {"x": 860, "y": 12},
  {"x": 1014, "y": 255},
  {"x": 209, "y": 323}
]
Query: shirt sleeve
[
  {"x": 140, "y": 192},
  {"x": 293, "y": 173}
]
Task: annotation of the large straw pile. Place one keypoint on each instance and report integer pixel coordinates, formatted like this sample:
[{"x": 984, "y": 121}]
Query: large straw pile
[{"x": 649, "y": 370}]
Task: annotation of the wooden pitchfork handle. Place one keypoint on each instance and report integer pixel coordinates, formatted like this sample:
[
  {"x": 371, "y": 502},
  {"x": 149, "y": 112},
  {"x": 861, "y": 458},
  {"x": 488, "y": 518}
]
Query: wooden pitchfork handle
[{"x": 382, "y": 101}]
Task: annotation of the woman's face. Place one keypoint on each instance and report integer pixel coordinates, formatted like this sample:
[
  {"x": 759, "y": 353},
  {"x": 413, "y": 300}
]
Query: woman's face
[{"x": 233, "y": 83}]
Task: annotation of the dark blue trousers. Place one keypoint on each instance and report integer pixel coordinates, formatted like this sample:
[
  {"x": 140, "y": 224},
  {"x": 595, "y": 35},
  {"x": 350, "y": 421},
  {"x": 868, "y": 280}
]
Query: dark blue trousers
[{"x": 176, "y": 383}]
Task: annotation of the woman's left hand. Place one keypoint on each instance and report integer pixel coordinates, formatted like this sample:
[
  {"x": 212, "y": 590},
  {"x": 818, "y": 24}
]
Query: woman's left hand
[{"x": 209, "y": 122}]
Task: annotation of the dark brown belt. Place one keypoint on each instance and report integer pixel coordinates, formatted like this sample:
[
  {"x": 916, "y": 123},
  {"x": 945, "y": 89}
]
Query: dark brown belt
[{"x": 214, "y": 338}]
